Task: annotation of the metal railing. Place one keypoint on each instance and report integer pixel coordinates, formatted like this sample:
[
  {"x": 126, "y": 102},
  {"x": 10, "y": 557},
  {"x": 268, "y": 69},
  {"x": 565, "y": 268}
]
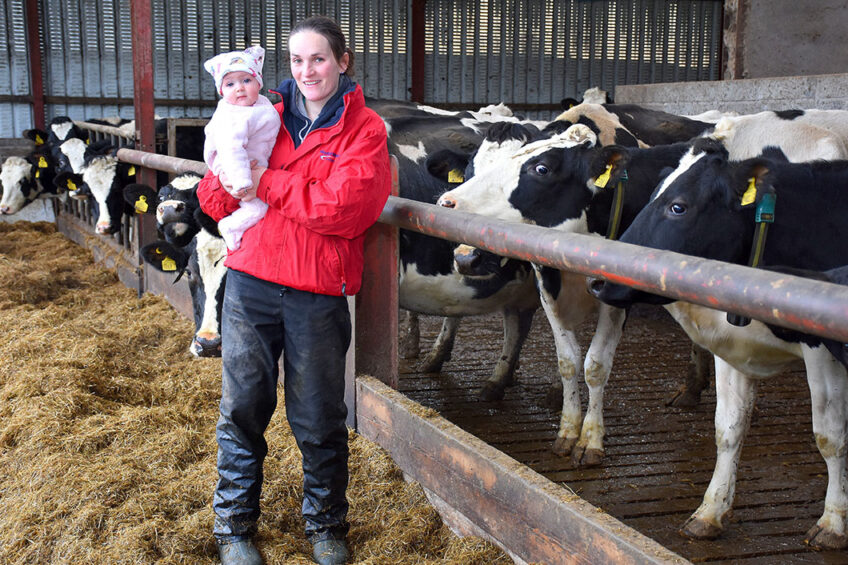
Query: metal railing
[{"x": 802, "y": 304}]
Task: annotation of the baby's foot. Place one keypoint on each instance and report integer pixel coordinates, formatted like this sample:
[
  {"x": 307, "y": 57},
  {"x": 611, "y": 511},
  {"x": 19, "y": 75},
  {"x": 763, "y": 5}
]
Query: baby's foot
[{"x": 231, "y": 236}]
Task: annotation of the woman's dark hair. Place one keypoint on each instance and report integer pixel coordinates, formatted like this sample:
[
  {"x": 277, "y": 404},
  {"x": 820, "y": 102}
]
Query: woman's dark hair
[{"x": 332, "y": 32}]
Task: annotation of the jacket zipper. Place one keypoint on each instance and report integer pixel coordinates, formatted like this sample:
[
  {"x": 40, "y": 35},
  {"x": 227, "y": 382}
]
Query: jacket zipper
[{"x": 341, "y": 268}]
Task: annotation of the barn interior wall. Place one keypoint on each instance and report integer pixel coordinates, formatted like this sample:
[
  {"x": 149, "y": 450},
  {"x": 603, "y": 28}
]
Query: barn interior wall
[
  {"x": 782, "y": 38},
  {"x": 746, "y": 96}
]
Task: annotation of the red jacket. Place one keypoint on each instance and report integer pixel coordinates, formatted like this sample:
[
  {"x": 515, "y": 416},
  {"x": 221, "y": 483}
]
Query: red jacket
[{"x": 321, "y": 198}]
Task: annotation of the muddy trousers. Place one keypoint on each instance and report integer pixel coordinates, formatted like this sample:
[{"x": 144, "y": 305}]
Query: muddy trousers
[{"x": 261, "y": 321}]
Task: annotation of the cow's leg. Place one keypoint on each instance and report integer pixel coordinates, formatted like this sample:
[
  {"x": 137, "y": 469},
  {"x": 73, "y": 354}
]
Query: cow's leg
[
  {"x": 735, "y": 394},
  {"x": 566, "y": 304},
  {"x": 516, "y": 328},
  {"x": 442, "y": 347},
  {"x": 829, "y": 392},
  {"x": 589, "y": 450},
  {"x": 697, "y": 379},
  {"x": 410, "y": 335}
]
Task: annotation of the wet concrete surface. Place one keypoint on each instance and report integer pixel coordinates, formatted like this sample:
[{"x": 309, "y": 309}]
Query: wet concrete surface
[{"x": 658, "y": 459}]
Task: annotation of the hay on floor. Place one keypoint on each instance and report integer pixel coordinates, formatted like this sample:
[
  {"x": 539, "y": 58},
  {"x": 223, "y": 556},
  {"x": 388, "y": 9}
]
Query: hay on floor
[{"x": 107, "y": 447}]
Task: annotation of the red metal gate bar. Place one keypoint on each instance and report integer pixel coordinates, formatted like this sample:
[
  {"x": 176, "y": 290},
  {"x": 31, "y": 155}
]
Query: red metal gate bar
[
  {"x": 794, "y": 302},
  {"x": 161, "y": 162},
  {"x": 810, "y": 306},
  {"x": 36, "y": 77}
]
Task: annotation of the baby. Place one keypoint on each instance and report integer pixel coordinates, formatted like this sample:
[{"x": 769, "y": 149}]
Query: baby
[{"x": 243, "y": 129}]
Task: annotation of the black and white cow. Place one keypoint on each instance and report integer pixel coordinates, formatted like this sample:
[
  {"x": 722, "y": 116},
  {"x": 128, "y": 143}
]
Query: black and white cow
[
  {"x": 802, "y": 135},
  {"x": 192, "y": 245},
  {"x": 707, "y": 208},
  {"x": 25, "y": 180},
  {"x": 433, "y": 151},
  {"x": 103, "y": 178},
  {"x": 60, "y": 129},
  {"x": 547, "y": 183},
  {"x": 631, "y": 125}
]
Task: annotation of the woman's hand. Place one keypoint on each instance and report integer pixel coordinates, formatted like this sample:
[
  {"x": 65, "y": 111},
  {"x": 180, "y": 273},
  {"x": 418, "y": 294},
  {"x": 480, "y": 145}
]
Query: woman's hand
[{"x": 256, "y": 174}]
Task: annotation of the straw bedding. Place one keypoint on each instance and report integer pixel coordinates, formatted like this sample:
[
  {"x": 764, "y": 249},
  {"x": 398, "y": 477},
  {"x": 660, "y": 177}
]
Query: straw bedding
[{"x": 107, "y": 448}]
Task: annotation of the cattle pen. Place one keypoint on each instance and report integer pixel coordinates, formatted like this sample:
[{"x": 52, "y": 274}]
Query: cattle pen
[{"x": 487, "y": 466}]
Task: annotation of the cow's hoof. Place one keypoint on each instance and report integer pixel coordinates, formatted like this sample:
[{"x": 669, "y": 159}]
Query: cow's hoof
[
  {"x": 695, "y": 528},
  {"x": 564, "y": 445},
  {"x": 431, "y": 365},
  {"x": 820, "y": 538},
  {"x": 583, "y": 457},
  {"x": 685, "y": 397},
  {"x": 553, "y": 398},
  {"x": 491, "y": 391}
]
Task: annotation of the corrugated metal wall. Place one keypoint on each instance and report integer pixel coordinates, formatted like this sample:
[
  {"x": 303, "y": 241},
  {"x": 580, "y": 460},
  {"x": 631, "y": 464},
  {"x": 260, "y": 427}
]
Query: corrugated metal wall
[{"x": 528, "y": 53}]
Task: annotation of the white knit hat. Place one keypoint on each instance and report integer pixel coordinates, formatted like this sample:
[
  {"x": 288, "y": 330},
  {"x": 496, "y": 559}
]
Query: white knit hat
[{"x": 250, "y": 61}]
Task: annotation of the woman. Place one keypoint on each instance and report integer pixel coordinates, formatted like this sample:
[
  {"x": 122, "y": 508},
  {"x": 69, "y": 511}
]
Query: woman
[{"x": 327, "y": 181}]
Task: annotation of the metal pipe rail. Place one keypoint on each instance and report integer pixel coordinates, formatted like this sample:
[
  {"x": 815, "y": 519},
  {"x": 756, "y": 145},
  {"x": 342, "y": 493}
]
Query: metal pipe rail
[
  {"x": 165, "y": 163},
  {"x": 810, "y": 306}
]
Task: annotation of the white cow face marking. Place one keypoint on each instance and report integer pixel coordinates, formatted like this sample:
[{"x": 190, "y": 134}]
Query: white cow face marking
[
  {"x": 686, "y": 162},
  {"x": 16, "y": 171},
  {"x": 99, "y": 175},
  {"x": 74, "y": 150},
  {"x": 61, "y": 130}
]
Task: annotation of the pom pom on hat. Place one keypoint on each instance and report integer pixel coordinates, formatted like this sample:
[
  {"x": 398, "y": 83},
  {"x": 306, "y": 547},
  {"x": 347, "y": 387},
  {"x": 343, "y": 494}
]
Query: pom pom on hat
[{"x": 250, "y": 61}]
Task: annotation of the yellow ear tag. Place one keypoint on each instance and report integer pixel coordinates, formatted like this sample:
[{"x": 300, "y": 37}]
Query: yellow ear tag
[
  {"x": 42, "y": 163},
  {"x": 455, "y": 176},
  {"x": 169, "y": 264},
  {"x": 131, "y": 172},
  {"x": 71, "y": 186},
  {"x": 37, "y": 174},
  {"x": 751, "y": 194},
  {"x": 86, "y": 142},
  {"x": 604, "y": 177},
  {"x": 141, "y": 204},
  {"x": 38, "y": 140}
]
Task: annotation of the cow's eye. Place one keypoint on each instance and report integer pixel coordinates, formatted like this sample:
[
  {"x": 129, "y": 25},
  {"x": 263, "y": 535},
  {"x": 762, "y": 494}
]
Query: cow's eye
[
  {"x": 542, "y": 169},
  {"x": 677, "y": 209}
]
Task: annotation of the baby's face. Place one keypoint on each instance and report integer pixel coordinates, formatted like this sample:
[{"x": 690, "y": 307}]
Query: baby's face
[{"x": 240, "y": 88}]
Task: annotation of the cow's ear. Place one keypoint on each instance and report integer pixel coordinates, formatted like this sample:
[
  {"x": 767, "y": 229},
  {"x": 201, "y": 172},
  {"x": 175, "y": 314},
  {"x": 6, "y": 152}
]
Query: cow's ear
[
  {"x": 165, "y": 257},
  {"x": 609, "y": 166},
  {"x": 37, "y": 136},
  {"x": 568, "y": 103},
  {"x": 448, "y": 166},
  {"x": 141, "y": 197},
  {"x": 68, "y": 182},
  {"x": 752, "y": 183}
]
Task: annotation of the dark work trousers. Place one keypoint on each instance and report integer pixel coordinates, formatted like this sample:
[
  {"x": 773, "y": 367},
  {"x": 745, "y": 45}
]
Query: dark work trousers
[{"x": 260, "y": 321}]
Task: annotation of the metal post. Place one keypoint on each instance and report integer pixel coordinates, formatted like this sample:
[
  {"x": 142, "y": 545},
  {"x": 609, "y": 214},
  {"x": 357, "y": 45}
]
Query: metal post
[{"x": 36, "y": 76}]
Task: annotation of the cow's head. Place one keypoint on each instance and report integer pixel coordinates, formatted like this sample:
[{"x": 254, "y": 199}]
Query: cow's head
[
  {"x": 704, "y": 208},
  {"x": 63, "y": 128},
  {"x": 178, "y": 214},
  {"x": 522, "y": 182},
  {"x": 104, "y": 176},
  {"x": 203, "y": 263}
]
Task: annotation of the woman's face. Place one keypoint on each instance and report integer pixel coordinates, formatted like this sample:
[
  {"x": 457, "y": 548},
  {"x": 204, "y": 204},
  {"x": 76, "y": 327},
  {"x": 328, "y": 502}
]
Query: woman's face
[{"x": 314, "y": 67}]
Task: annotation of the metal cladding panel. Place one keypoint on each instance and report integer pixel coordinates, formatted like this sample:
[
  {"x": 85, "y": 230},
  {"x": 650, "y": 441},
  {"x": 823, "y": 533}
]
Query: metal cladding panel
[
  {"x": 476, "y": 52},
  {"x": 14, "y": 116},
  {"x": 540, "y": 51}
]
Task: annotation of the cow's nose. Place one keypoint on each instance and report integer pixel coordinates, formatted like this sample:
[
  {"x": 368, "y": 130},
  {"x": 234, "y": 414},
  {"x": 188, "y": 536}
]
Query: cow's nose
[
  {"x": 5, "y": 210},
  {"x": 595, "y": 286},
  {"x": 467, "y": 263},
  {"x": 446, "y": 201}
]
